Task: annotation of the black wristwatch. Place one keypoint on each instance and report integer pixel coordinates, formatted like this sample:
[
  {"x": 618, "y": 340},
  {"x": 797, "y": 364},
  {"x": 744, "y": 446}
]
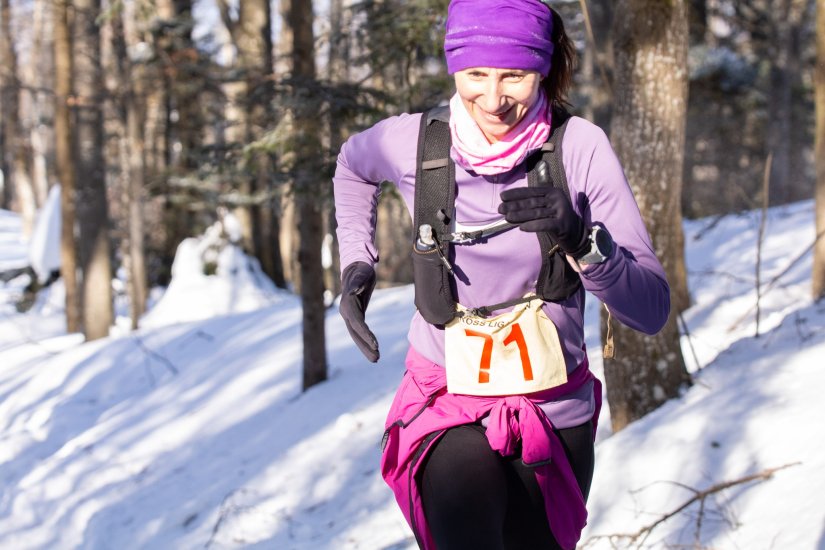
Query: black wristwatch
[{"x": 601, "y": 247}]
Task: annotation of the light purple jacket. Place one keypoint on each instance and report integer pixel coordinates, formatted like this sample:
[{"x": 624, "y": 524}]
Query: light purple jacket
[{"x": 631, "y": 283}]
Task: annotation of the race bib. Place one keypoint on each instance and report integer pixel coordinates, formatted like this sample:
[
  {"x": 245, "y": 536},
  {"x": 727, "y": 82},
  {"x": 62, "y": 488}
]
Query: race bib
[{"x": 513, "y": 353}]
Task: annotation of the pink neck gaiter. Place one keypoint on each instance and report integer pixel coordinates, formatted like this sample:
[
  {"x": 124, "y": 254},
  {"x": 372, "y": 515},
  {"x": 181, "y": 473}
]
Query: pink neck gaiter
[{"x": 472, "y": 151}]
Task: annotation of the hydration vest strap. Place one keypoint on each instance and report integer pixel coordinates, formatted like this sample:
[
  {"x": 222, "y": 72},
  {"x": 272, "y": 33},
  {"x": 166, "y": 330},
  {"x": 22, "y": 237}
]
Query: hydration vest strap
[
  {"x": 435, "y": 205},
  {"x": 467, "y": 236},
  {"x": 484, "y": 311}
]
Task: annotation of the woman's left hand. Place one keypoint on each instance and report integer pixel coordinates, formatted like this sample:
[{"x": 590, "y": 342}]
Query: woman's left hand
[{"x": 546, "y": 209}]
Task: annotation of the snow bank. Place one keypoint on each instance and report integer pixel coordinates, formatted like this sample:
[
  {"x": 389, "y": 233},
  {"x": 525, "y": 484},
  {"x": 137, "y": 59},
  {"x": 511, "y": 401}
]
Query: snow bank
[
  {"x": 44, "y": 248},
  {"x": 212, "y": 276},
  {"x": 197, "y": 435}
]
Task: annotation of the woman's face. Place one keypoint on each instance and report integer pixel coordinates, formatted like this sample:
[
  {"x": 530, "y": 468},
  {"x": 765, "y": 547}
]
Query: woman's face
[{"x": 497, "y": 99}]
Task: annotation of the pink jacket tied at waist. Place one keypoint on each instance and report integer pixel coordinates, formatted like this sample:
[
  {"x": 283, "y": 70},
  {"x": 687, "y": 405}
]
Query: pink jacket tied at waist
[{"x": 423, "y": 410}]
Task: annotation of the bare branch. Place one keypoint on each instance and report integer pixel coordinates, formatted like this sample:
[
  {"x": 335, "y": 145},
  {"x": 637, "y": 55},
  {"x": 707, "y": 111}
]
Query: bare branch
[
  {"x": 152, "y": 353},
  {"x": 761, "y": 237},
  {"x": 638, "y": 538},
  {"x": 781, "y": 274}
]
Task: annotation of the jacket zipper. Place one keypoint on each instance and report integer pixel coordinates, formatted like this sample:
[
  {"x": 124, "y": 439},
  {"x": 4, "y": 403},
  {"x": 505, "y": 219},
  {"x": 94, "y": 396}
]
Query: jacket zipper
[{"x": 400, "y": 423}]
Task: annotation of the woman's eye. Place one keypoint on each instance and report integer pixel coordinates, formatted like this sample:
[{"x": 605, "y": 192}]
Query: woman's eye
[{"x": 514, "y": 77}]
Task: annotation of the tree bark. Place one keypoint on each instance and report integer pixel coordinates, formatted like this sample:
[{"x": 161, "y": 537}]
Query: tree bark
[
  {"x": 648, "y": 129},
  {"x": 698, "y": 20},
  {"x": 785, "y": 77},
  {"x": 17, "y": 186},
  {"x": 130, "y": 97},
  {"x": 40, "y": 75},
  {"x": 818, "y": 277},
  {"x": 337, "y": 73},
  {"x": 185, "y": 130},
  {"x": 64, "y": 70},
  {"x": 92, "y": 205},
  {"x": 307, "y": 183},
  {"x": 248, "y": 113},
  {"x": 597, "y": 64}
]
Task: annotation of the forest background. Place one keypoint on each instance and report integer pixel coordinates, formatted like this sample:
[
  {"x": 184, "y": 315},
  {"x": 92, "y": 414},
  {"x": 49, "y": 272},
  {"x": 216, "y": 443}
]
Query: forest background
[{"x": 159, "y": 117}]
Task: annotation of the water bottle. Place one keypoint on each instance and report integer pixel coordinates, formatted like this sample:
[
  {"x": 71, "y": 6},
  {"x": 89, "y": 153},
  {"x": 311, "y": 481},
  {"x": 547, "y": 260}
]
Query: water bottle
[{"x": 425, "y": 241}]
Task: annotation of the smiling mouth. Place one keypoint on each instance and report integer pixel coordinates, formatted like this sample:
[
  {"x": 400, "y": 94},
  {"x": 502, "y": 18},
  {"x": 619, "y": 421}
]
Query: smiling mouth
[{"x": 498, "y": 117}]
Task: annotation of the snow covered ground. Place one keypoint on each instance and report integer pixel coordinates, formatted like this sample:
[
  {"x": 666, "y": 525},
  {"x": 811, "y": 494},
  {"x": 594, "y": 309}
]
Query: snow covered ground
[{"x": 193, "y": 432}]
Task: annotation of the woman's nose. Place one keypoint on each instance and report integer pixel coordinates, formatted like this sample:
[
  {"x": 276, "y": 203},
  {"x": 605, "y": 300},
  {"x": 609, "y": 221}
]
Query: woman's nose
[{"x": 492, "y": 97}]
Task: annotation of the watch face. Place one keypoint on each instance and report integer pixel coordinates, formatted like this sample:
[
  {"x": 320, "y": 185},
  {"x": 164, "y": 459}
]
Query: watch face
[{"x": 603, "y": 242}]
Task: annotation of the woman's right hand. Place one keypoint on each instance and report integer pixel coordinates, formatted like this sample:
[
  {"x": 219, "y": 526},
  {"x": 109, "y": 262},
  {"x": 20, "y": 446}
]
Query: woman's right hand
[{"x": 358, "y": 282}]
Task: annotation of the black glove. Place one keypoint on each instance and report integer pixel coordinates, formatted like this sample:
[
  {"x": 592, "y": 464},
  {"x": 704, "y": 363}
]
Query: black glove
[
  {"x": 546, "y": 209},
  {"x": 358, "y": 281}
]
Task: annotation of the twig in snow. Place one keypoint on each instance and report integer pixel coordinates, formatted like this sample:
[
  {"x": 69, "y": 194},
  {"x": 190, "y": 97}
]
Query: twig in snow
[
  {"x": 781, "y": 274},
  {"x": 716, "y": 273},
  {"x": 713, "y": 223},
  {"x": 637, "y": 539},
  {"x": 152, "y": 353},
  {"x": 761, "y": 236},
  {"x": 690, "y": 341},
  {"x": 26, "y": 338},
  {"x": 226, "y": 509}
]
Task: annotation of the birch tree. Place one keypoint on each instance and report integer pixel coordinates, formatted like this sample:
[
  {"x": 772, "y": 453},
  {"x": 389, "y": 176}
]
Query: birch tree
[{"x": 648, "y": 129}]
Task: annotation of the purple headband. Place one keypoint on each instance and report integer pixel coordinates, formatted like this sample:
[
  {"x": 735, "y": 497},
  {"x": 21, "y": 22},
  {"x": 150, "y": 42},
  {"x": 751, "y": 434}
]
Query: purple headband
[{"x": 505, "y": 34}]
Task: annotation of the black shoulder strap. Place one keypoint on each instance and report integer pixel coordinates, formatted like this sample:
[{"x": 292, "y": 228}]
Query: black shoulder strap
[
  {"x": 435, "y": 193},
  {"x": 551, "y": 153},
  {"x": 435, "y": 173},
  {"x": 557, "y": 279},
  {"x": 434, "y": 205}
]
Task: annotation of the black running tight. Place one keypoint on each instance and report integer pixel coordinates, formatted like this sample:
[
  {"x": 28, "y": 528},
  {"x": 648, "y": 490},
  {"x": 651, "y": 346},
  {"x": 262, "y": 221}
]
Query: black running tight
[{"x": 476, "y": 499}]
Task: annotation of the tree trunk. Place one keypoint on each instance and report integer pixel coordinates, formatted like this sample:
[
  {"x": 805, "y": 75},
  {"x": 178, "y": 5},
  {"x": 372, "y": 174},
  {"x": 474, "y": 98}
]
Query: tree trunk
[
  {"x": 92, "y": 205},
  {"x": 288, "y": 238},
  {"x": 819, "y": 150},
  {"x": 17, "y": 184},
  {"x": 307, "y": 190},
  {"x": 249, "y": 114},
  {"x": 785, "y": 77},
  {"x": 64, "y": 69},
  {"x": 130, "y": 85},
  {"x": 337, "y": 73},
  {"x": 185, "y": 130},
  {"x": 597, "y": 64},
  {"x": 698, "y": 20},
  {"x": 40, "y": 75},
  {"x": 648, "y": 132},
  {"x": 138, "y": 292}
]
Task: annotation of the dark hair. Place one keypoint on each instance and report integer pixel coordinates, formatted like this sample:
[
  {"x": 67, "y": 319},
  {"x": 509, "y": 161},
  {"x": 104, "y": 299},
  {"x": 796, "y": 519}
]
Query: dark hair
[{"x": 557, "y": 84}]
